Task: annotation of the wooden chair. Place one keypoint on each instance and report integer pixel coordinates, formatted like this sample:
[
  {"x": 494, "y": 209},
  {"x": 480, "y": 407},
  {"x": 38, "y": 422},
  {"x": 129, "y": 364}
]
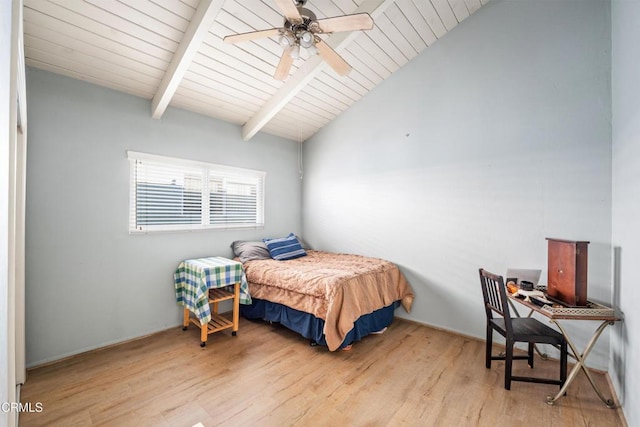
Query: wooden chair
[{"x": 517, "y": 329}]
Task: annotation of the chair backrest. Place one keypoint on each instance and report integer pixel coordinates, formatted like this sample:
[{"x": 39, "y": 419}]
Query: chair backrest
[{"x": 495, "y": 297}]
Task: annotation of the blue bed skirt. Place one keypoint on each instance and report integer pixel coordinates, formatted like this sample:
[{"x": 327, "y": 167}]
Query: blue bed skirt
[{"x": 310, "y": 326}]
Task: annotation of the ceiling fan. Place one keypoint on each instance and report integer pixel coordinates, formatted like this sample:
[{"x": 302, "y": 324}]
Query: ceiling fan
[{"x": 301, "y": 29}]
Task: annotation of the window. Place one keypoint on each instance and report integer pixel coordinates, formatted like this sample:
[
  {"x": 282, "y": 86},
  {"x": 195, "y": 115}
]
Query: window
[{"x": 174, "y": 194}]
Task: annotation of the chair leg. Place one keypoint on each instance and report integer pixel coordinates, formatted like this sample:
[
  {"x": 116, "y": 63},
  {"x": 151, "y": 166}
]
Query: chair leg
[
  {"x": 530, "y": 360},
  {"x": 508, "y": 359},
  {"x": 489, "y": 345},
  {"x": 563, "y": 362}
]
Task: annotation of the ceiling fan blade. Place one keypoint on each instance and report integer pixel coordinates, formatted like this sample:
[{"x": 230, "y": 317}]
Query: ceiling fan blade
[
  {"x": 358, "y": 21},
  {"x": 290, "y": 11},
  {"x": 282, "y": 72},
  {"x": 332, "y": 58},
  {"x": 243, "y": 37}
]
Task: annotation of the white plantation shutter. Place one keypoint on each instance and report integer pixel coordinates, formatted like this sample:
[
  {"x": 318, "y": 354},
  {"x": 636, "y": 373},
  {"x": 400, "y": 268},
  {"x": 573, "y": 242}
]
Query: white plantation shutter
[
  {"x": 174, "y": 194},
  {"x": 235, "y": 199},
  {"x": 166, "y": 196}
]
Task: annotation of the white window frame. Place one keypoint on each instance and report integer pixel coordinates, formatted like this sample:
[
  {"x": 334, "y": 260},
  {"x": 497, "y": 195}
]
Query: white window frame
[{"x": 139, "y": 162}]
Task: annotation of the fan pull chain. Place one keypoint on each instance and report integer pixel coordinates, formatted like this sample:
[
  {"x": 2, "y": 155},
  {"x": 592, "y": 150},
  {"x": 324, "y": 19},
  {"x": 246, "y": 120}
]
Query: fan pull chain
[{"x": 300, "y": 165}]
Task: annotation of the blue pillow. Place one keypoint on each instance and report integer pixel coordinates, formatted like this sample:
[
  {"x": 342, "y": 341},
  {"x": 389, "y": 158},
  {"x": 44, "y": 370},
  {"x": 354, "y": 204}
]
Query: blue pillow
[{"x": 285, "y": 248}]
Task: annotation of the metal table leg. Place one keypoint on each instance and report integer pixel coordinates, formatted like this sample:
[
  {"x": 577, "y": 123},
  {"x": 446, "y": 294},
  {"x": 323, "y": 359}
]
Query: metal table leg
[{"x": 580, "y": 364}]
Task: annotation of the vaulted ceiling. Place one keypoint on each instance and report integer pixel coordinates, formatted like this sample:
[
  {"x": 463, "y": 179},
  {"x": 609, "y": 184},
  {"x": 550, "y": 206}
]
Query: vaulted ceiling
[{"x": 172, "y": 53}]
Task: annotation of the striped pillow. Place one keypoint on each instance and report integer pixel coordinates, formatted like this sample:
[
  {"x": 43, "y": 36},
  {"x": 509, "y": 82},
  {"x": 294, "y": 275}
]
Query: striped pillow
[{"x": 285, "y": 248}]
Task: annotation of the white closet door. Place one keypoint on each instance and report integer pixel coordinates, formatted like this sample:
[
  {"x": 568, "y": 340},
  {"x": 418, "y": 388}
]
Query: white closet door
[{"x": 18, "y": 181}]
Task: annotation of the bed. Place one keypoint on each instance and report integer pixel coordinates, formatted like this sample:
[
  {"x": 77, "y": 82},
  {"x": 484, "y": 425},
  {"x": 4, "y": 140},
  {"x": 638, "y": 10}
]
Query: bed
[{"x": 332, "y": 299}]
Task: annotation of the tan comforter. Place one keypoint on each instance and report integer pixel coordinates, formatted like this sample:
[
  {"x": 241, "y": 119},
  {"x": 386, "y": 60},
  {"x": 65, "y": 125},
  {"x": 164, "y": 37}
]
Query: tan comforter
[{"x": 337, "y": 288}]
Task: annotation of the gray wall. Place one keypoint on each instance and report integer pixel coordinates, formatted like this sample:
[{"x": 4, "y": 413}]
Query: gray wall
[
  {"x": 494, "y": 138},
  {"x": 625, "y": 69},
  {"x": 88, "y": 282}
]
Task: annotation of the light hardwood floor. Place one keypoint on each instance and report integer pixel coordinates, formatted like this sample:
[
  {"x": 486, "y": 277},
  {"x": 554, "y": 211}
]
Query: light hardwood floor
[{"x": 411, "y": 375}]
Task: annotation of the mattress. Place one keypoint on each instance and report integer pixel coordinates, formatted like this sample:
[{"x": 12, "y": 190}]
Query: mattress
[{"x": 337, "y": 288}]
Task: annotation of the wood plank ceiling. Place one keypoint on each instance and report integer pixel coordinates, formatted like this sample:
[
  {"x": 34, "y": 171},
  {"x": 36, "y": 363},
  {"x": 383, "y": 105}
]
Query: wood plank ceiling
[{"x": 171, "y": 52}]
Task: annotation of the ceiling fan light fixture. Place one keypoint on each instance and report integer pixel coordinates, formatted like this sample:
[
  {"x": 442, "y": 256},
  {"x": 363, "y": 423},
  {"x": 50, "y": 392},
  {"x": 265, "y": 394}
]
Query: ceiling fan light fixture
[
  {"x": 287, "y": 40},
  {"x": 312, "y": 50},
  {"x": 295, "y": 51},
  {"x": 306, "y": 39}
]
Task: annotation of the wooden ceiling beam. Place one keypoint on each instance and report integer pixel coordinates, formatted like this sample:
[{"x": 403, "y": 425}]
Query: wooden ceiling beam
[
  {"x": 198, "y": 28},
  {"x": 309, "y": 70}
]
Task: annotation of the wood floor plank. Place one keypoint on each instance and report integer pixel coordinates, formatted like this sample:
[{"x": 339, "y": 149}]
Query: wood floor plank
[{"x": 411, "y": 375}]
